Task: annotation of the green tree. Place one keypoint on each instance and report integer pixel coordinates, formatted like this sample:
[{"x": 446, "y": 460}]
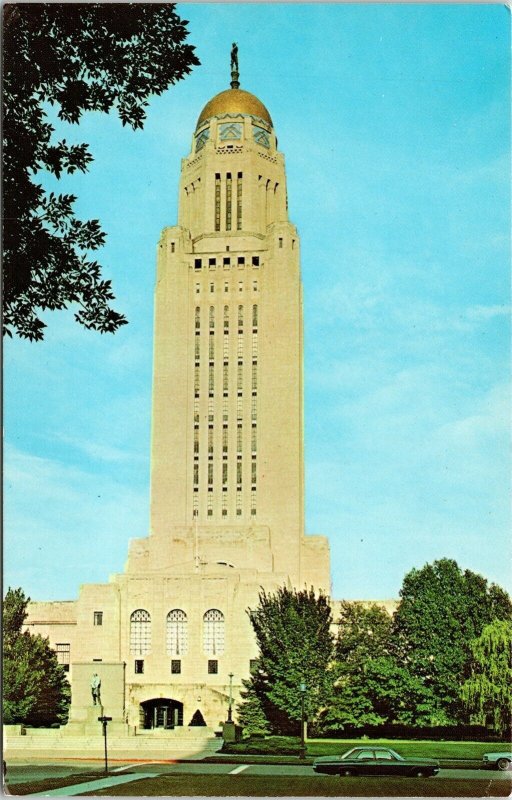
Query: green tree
[
  {"x": 442, "y": 609},
  {"x": 371, "y": 687},
  {"x": 35, "y": 689},
  {"x": 293, "y": 632},
  {"x": 250, "y": 711},
  {"x": 78, "y": 57},
  {"x": 486, "y": 693}
]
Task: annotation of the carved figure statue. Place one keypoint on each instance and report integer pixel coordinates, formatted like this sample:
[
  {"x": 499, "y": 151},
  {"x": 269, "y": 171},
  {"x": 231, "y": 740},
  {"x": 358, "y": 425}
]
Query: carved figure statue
[
  {"x": 234, "y": 57},
  {"x": 96, "y": 689}
]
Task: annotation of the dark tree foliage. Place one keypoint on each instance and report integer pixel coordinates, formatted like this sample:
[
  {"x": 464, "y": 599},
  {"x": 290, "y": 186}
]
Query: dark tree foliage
[
  {"x": 441, "y": 611},
  {"x": 293, "y": 632},
  {"x": 35, "y": 689},
  {"x": 78, "y": 57}
]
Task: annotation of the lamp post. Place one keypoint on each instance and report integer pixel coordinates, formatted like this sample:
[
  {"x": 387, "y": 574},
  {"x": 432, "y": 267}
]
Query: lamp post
[
  {"x": 104, "y": 721},
  {"x": 230, "y": 716},
  {"x": 302, "y": 750}
]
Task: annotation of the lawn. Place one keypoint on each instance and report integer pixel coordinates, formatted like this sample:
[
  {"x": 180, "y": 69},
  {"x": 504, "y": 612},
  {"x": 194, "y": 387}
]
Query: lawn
[
  {"x": 298, "y": 786},
  {"x": 444, "y": 751}
]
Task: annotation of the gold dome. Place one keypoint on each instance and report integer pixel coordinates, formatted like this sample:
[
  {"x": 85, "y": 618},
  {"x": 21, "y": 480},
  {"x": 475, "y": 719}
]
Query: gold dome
[{"x": 234, "y": 101}]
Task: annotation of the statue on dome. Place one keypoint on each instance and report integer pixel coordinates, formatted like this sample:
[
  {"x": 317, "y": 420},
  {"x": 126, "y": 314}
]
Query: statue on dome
[{"x": 234, "y": 57}]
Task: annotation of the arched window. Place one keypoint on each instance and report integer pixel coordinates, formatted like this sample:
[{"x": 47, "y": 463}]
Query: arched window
[
  {"x": 177, "y": 639},
  {"x": 213, "y": 632},
  {"x": 140, "y": 632}
]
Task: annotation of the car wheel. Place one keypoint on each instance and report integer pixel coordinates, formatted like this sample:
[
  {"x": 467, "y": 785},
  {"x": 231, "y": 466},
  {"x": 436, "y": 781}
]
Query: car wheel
[
  {"x": 421, "y": 773},
  {"x": 503, "y": 764},
  {"x": 346, "y": 773}
]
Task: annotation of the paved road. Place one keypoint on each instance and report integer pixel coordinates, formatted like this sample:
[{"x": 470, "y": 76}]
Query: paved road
[{"x": 21, "y": 773}]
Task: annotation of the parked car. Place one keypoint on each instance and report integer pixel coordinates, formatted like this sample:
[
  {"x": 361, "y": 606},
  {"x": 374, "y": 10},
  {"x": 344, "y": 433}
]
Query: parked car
[
  {"x": 375, "y": 761},
  {"x": 500, "y": 761}
]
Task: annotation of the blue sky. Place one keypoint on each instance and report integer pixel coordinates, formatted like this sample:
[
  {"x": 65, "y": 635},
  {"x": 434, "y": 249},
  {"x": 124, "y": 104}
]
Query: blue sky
[{"x": 395, "y": 126}]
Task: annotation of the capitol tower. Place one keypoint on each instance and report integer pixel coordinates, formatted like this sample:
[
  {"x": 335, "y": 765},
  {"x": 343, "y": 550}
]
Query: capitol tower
[{"x": 227, "y": 447}]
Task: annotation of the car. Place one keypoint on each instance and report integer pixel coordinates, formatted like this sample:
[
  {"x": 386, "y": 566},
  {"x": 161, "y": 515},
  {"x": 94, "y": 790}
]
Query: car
[
  {"x": 501, "y": 761},
  {"x": 375, "y": 761}
]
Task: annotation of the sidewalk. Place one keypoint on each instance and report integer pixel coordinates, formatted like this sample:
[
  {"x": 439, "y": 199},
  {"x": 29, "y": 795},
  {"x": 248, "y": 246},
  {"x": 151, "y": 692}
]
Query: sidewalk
[{"x": 87, "y": 786}]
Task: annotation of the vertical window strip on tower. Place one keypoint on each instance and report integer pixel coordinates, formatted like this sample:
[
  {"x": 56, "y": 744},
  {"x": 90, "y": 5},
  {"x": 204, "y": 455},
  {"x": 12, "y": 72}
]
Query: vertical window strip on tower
[
  {"x": 211, "y": 348},
  {"x": 217, "y": 201},
  {"x": 225, "y": 409},
  {"x": 211, "y": 380},
  {"x": 239, "y": 440},
  {"x": 224, "y": 439},
  {"x": 196, "y": 409},
  {"x": 197, "y": 348},
  {"x": 198, "y": 318},
  {"x": 253, "y": 501},
  {"x": 224, "y": 504},
  {"x": 253, "y": 409},
  {"x": 209, "y": 504},
  {"x": 240, "y": 346},
  {"x": 239, "y": 408},
  {"x": 196, "y": 379},
  {"x": 240, "y": 316},
  {"x": 210, "y": 409},
  {"x": 196, "y": 474},
  {"x": 239, "y": 202},
  {"x": 255, "y": 344},
  {"x": 225, "y": 374},
  {"x": 255, "y": 316},
  {"x": 177, "y": 634},
  {"x": 229, "y": 198},
  {"x": 239, "y": 378},
  {"x": 140, "y": 632},
  {"x": 224, "y": 473},
  {"x": 195, "y": 504},
  {"x": 238, "y": 502},
  {"x": 253, "y": 439},
  {"x": 196, "y": 440},
  {"x": 212, "y": 317},
  {"x": 210, "y": 440},
  {"x": 254, "y": 376}
]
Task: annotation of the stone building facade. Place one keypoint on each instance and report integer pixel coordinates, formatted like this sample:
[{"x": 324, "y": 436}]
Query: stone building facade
[{"x": 227, "y": 461}]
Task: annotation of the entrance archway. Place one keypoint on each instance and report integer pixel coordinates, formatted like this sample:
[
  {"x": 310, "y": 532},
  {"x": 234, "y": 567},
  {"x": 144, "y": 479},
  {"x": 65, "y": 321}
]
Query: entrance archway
[{"x": 161, "y": 712}]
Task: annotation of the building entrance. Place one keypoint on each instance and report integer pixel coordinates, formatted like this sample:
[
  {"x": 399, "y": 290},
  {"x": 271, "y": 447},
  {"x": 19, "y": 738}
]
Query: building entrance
[{"x": 162, "y": 712}]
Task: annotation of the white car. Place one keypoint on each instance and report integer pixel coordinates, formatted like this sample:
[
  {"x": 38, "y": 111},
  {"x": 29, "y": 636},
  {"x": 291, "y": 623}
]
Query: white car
[{"x": 500, "y": 761}]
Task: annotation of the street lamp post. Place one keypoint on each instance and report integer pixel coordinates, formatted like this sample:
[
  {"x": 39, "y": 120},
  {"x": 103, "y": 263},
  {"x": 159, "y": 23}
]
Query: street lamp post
[
  {"x": 104, "y": 721},
  {"x": 230, "y": 713},
  {"x": 302, "y": 750}
]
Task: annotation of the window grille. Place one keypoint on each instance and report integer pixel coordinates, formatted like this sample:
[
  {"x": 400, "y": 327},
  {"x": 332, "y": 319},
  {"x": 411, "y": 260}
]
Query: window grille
[
  {"x": 177, "y": 633},
  {"x": 239, "y": 202},
  {"x": 240, "y": 346},
  {"x": 253, "y": 440},
  {"x": 229, "y": 198},
  {"x": 140, "y": 632},
  {"x": 253, "y": 408},
  {"x": 240, "y": 316},
  {"x": 209, "y": 504},
  {"x": 239, "y": 503},
  {"x": 197, "y": 348},
  {"x": 196, "y": 378},
  {"x": 63, "y": 651},
  {"x": 210, "y": 378},
  {"x": 210, "y": 440},
  {"x": 196, "y": 440},
  {"x": 239, "y": 473},
  {"x": 225, "y": 352},
  {"x": 255, "y": 316},
  {"x": 253, "y": 501},
  {"x": 253, "y": 472},
  {"x": 224, "y": 504},
  {"x": 224, "y": 473},
  {"x": 210, "y": 409},
  {"x": 254, "y": 377},
  {"x": 212, "y": 317},
  {"x": 217, "y": 201},
  {"x": 196, "y": 474},
  {"x": 239, "y": 439},
  {"x": 239, "y": 408},
  {"x": 195, "y": 504},
  {"x": 225, "y": 378},
  {"x": 225, "y": 409},
  {"x": 239, "y": 379},
  {"x": 196, "y": 409},
  {"x": 255, "y": 345},
  {"x": 225, "y": 439},
  {"x": 213, "y": 632}
]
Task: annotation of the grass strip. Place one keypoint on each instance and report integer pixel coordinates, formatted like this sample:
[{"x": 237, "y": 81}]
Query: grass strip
[
  {"x": 44, "y": 785},
  {"x": 289, "y": 746},
  {"x": 298, "y": 786}
]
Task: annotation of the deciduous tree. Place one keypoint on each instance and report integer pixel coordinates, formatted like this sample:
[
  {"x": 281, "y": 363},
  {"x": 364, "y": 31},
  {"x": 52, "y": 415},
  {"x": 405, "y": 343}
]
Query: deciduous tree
[
  {"x": 442, "y": 609},
  {"x": 77, "y": 57},
  {"x": 293, "y": 632},
  {"x": 486, "y": 693},
  {"x": 35, "y": 689}
]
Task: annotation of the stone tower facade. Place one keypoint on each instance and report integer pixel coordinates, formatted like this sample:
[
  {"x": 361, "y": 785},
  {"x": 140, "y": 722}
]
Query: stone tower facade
[{"x": 227, "y": 461}]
